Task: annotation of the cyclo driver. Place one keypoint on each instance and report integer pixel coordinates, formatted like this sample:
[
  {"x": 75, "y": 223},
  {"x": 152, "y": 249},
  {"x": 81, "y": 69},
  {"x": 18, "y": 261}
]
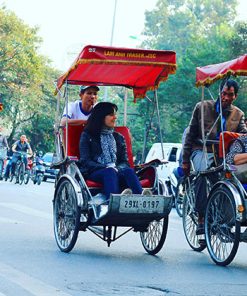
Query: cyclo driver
[{"x": 20, "y": 146}]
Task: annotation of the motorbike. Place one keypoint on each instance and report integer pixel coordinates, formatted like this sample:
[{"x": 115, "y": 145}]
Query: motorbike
[{"x": 38, "y": 171}]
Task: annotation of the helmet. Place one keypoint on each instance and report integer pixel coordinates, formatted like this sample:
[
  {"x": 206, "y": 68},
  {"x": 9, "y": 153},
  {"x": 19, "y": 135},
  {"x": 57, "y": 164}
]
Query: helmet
[{"x": 40, "y": 153}]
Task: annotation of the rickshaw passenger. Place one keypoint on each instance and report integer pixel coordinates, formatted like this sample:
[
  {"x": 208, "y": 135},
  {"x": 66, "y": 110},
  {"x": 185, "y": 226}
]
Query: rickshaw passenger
[
  {"x": 103, "y": 154},
  {"x": 233, "y": 120},
  {"x": 80, "y": 110},
  {"x": 237, "y": 156}
]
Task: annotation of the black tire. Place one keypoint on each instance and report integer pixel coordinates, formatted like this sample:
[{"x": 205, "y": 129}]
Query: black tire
[
  {"x": 66, "y": 216},
  {"x": 21, "y": 173},
  {"x": 154, "y": 238},
  {"x": 11, "y": 177},
  {"x": 26, "y": 177},
  {"x": 1, "y": 166},
  {"x": 44, "y": 179},
  {"x": 39, "y": 179},
  {"x": 222, "y": 230},
  {"x": 190, "y": 219},
  {"x": 179, "y": 197},
  {"x": 16, "y": 174}
]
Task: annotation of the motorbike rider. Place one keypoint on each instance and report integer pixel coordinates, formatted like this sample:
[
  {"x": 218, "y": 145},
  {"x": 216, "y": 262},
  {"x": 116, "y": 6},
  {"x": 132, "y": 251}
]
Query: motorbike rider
[{"x": 20, "y": 146}]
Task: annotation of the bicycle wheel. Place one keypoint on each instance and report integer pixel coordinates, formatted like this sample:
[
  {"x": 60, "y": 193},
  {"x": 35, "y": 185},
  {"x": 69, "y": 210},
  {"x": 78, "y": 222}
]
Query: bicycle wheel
[
  {"x": 190, "y": 218},
  {"x": 66, "y": 216},
  {"x": 21, "y": 172},
  {"x": 16, "y": 172},
  {"x": 11, "y": 177},
  {"x": 154, "y": 238},
  {"x": 222, "y": 230},
  {"x": 1, "y": 167},
  {"x": 26, "y": 176},
  {"x": 179, "y": 198}
]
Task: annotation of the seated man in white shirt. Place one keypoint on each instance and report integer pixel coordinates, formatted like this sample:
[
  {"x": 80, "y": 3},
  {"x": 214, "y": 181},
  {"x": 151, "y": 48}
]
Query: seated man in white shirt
[{"x": 80, "y": 110}]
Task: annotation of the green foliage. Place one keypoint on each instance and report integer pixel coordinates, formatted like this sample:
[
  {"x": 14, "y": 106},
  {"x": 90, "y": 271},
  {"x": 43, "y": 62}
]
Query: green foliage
[
  {"x": 25, "y": 82},
  {"x": 201, "y": 33}
]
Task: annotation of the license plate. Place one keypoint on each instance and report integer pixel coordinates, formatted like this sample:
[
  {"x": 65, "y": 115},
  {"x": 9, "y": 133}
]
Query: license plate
[{"x": 141, "y": 204}]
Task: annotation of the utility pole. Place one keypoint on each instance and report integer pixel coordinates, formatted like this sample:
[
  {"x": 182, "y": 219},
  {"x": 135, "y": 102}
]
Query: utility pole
[{"x": 112, "y": 35}]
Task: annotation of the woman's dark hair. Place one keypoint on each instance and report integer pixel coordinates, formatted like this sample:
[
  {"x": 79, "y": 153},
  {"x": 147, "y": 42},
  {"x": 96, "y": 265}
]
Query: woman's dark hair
[{"x": 96, "y": 120}]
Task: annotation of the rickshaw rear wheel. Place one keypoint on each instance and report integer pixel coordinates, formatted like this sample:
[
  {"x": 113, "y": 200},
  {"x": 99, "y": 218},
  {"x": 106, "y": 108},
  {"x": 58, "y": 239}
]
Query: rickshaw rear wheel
[
  {"x": 190, "y": 220},
  {"x": 222, "y": 230},
  {"x": 154, "y": 238},
  {"x": 66, "y": 215}
]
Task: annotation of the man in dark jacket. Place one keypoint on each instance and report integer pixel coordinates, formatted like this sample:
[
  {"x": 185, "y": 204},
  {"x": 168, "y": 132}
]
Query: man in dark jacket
[{"x": 233, "y": 120}]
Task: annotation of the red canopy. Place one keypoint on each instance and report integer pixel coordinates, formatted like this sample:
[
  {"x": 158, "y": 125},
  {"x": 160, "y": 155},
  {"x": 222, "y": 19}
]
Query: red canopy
[
  {"x": 209, "y": 74},
  {"x": 139, "y": 69}
]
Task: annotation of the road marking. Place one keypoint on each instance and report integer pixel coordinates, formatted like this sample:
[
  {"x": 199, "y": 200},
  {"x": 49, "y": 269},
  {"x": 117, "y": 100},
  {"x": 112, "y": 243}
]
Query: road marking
[
  {"x": 26, "y": 210},
  {"x": 28, "y": 283}
]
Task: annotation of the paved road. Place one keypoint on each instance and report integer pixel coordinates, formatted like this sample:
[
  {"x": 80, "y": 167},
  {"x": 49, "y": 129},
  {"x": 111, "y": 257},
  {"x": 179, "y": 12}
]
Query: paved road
[{"x": 31, "y": 263}]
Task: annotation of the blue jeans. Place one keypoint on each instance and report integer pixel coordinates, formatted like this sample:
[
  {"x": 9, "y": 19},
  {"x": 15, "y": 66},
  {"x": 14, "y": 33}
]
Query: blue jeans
[{"x": 115, "y": 181}]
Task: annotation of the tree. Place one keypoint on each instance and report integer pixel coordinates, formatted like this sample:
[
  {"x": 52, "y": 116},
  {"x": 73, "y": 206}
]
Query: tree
[
  {"x": 200, "y": 32},
  {"x": 25, "y": 78}
]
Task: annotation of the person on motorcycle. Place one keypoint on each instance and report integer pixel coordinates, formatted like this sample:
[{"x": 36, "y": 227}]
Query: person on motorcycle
[
  {"x": 79, "y": 111},
  {"x": 20, "y": 146}
]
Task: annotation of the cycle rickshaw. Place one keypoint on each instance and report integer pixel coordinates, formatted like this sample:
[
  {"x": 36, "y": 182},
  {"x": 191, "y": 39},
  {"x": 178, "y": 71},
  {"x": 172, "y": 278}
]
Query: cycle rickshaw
[
  {"x": 74, "y": 207},
  {"x": 226, "y": 214}
]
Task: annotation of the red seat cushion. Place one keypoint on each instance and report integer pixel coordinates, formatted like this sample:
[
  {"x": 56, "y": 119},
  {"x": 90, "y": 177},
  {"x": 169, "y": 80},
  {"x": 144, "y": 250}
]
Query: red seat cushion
[
  {"x": 146, "y": 183},
  {"x": 74, "y": 134},
  {"x": 229, "y": 137},
  {"x": 93, "y": 184}
]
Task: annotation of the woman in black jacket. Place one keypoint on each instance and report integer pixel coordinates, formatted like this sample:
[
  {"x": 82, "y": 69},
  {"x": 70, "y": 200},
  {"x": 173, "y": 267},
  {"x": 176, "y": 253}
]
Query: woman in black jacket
[{"x": 103, "y": 153}]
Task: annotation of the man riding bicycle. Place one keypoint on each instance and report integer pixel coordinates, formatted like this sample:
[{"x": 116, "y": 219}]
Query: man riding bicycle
[{"x": 20, "y": 146}]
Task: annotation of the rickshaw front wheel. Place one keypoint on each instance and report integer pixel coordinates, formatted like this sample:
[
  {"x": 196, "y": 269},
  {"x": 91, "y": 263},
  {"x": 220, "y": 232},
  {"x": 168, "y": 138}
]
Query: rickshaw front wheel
[
  {"x": 66, "y": 216},
  {"x": 154, "y": 238},
  {"x": 222, "y": 230}
]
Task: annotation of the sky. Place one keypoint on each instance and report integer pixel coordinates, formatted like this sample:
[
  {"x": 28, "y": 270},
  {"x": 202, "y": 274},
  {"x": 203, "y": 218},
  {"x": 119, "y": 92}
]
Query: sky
[{"x": 67, "y": 26}]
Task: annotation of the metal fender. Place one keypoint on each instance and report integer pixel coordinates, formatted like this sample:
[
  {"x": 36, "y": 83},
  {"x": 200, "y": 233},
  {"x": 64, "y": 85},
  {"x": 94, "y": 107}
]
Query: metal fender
[
  {"x": 76, "y": 186},
  {"x": 236, "y": 195}
]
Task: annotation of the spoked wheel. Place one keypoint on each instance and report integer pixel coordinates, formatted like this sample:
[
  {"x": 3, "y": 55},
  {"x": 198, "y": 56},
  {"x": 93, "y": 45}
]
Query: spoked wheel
[
  {"x": 190, "y": 220},
  {"x": 11, "y": 177},
  {"x": 153, "y": 239},
  {"x": 39, "y": 179},
  {"x": 26, "y": 177},
  {"x": 179, "y": 198},
  {"x": 66, "y": 215},
  {"x": 21, "y": 173},
  {"x": 222, "y": 230}
]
